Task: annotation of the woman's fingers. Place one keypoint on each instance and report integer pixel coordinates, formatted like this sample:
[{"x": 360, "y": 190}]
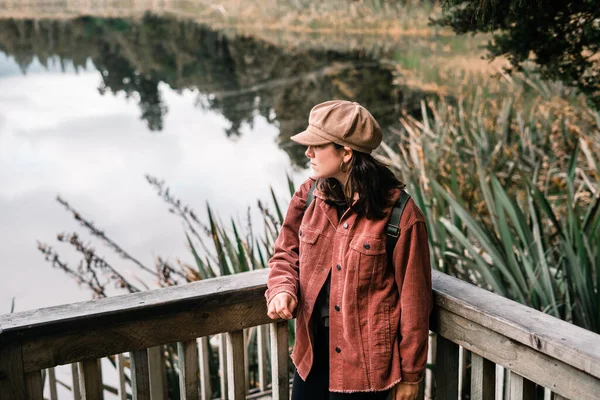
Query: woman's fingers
[{"x": 281, "y": 306}]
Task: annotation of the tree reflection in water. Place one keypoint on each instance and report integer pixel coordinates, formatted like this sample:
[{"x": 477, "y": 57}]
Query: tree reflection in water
[{"x": 238, "y": 76}]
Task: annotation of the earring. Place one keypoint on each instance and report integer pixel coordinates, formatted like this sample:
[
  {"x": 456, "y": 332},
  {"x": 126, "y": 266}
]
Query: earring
[{"x": 342, "y": 167}]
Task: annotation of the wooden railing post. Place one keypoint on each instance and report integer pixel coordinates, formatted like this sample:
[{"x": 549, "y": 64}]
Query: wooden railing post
[
  {"x": 223, "y": 367},
  {"x": 12, "y": 379},
  {"x": 188, "y": 370},
  {"x": 140, "y": 378},
  {"x": 483, "y": 378},
  {"x": 90, "y": 379},
  {"x": 521, "y": 388},
  {"x": 52, "y": 383},
  {"x": 158, "y": 373},
  {"x": 35, "y": 385},
  {"x": 279, "y": 360},
  {"x": 203, "y": 354},
  {"x": 446, "y": 369},
  {"x": 235, "y": 365},
  {"x": 76, "y": 388},
  {"x": 262, "y": 336}
]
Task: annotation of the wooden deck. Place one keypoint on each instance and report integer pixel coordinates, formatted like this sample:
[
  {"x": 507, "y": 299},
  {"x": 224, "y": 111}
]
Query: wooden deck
[{"x": 535, "y": 348}]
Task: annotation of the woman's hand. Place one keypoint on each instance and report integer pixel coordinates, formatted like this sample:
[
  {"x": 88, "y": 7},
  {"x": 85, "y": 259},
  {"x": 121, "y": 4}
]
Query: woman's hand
[
  {"x": 405, "y": 391},
  {"x": 281, "y": 306}
]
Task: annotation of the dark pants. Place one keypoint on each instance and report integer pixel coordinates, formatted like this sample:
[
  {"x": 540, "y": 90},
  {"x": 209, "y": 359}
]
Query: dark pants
[{"x": 316, "y": 386}]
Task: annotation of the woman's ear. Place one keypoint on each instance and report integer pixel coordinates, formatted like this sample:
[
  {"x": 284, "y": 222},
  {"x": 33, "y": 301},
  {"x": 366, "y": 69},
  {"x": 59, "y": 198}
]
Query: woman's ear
[{"x": 348, "y": 153}]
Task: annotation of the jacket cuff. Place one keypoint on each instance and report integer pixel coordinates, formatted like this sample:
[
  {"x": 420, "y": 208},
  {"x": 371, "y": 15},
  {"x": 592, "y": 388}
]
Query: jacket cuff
[
  {"x": 270, "y": 294},
  {"x": 412, "y": 378}
]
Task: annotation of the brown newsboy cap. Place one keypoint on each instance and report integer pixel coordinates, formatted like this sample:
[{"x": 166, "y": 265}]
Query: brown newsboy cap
[{"x": 343, "y": 122}]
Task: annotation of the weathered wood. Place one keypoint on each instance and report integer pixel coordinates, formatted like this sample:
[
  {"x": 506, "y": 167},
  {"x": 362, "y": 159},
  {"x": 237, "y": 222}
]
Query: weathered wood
[
  {"x": 52, "y": 383},
  {"x": 75, "y": 377},
  {"x": 134, "y": 307},
  {"x": 158, "y": 373},
  {"x": 262, "y": 336},
  {"x": 430, "y": 372},
  {"x": 246, "y": 365},
  {"x": 521, "y": 388},
  {"x": 205, "y": 385},
  {"x": 223, "y": 366},
  {"x": 446, "y": 369},
  {"x": 90, "y": 379},
  {"x": 189, "y": 370},
  {"x": 206, "y": 317},
  {"x": 279, "y": 360},
  {"x": 12, "y": 380},
  {"x": 35, "y": 386},
  {"x": 533, "y": 365},
  {"x": 573, "y": 345},
  {"x": 121, "y": 373},
  {"x": 140, "y": 377},
  {"x": 483, "y": 378},
  {"x": 235, "y": 365}
]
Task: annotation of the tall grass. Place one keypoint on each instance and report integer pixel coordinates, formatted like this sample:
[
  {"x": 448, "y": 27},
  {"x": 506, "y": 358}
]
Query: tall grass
[{"x": 511, "y": 189}]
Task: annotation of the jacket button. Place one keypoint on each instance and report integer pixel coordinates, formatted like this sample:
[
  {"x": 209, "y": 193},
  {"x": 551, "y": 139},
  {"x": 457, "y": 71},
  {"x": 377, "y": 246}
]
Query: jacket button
[
  {"x": 338, "y": 267},
  {"x": 338, "y": 350},
  {"x": 337, "y": 308},
  {"x": 367, "y": 246},
  {"x": 300, "y": 233},
  {"x": 345, "y": 225}
]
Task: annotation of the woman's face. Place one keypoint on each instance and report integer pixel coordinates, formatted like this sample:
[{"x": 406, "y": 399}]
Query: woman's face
[{"x": 325, "y": 161}]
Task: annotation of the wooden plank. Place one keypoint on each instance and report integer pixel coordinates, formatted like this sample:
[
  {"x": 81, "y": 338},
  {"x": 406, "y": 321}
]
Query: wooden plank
[
  {"x": 140, "y": 377},
  {"x": 203, "y": 354},
  {"x": 90, "y": 379},
  {"x": 235, "y": 365},
  {"x": 447, "y": 369},
  {"x": 75, "y": 377},
  {"x": 430, "y": 372},
  {"x": 223, "y": 366},
  {"x": 189, "y": 370},
  {"x": 279, "y": 360},
  {"x": 246, "y": 365},
  {"x": 521, "y": 388},
  {"x": 12, "y": 380},
  {"x": 158, "y": 373},
  {"x": 35, "y": 386},
  {"x": 483, "y": 378},
  {"x": 52, "y": 383},
  {"x": 262, "y": 336},
  {"x": 551, "y": 336},
  {"x": 126, "y": 308},
  {"x": 180, "y": 325},
  {"x": 527, "y": 362},
  {"x": 121, "y": 372}
]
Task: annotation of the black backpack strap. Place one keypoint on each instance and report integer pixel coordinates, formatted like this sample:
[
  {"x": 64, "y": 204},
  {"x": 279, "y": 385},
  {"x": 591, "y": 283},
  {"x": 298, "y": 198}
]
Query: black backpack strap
[
  {"x": 310, "y": 197},
  {"x": 392, "y": 229}
]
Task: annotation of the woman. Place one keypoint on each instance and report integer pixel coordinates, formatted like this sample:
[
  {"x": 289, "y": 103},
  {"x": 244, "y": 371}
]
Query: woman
[{"x": 362, "y": 314}]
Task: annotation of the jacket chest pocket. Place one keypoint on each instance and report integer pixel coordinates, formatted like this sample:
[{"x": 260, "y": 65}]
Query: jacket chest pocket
[
  {"x": 309, "y": 242},
  {"x": 367, "y": 256}
]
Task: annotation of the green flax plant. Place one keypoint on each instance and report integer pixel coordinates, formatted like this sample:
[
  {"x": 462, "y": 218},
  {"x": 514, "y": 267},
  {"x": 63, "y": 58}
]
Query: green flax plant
[{"x": 510, "y": 188}]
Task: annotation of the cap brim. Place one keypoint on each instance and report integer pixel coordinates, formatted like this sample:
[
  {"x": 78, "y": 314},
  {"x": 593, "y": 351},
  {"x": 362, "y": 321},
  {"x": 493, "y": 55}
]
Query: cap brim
[{"x": 308, "y": 138}]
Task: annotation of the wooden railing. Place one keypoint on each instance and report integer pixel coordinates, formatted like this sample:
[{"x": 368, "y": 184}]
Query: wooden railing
[{"x": 535, "y": 348}]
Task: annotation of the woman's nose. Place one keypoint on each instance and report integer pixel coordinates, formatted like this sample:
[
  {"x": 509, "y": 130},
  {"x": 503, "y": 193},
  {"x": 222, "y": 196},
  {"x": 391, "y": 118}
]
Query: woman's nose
[{"x": 309, "y": 152}]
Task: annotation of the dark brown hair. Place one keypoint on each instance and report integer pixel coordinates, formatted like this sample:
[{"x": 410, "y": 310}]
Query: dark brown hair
[{"x": 371, "y": 179}]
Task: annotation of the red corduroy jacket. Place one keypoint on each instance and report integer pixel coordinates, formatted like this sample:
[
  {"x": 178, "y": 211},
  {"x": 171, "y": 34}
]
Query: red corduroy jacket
[{"x": 379, "y": 314}]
